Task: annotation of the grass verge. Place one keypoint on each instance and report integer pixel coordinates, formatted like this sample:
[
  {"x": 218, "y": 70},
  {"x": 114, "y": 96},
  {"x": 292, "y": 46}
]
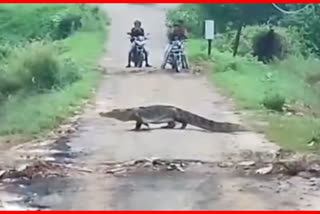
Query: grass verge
[
  {"x": 249, "y": 82},
  {"x": 28, "y": 113}
]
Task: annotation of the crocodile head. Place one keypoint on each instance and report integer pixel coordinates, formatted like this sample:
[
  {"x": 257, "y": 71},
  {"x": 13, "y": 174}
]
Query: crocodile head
[{"x": 119, "y": 114}]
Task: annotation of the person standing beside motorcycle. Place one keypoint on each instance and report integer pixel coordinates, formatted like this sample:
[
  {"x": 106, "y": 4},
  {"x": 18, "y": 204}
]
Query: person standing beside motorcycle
[
  {"x": 136, "y": 31},
  {"x": 178, "y": 30}
]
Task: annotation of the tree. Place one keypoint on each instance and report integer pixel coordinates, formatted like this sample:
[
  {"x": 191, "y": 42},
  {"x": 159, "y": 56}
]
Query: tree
[
  {"x": 307, "y": 22},
  {"x": 239, "y": 15}
]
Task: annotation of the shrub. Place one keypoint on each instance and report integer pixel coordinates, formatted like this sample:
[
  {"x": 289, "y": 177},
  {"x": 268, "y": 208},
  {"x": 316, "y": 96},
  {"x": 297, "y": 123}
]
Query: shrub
[
  {"x": 40, "y": 21},
  {"x": 191, "y": 15},
  {"x": 274, "y": 102},
  {"x": 4, "y": 51},
  {"x": 65, "y": 23},
  {"x": 74, "y": 18},
  {"x": 290, "y": 39},
  {"x": 69, "y": 73},
  {"x": 307, "y": 23},
  {"x": 92, "y": 18},
  {"x": 23, "y": 22},
  {"x": 268, "y": 45},
  {"x": 37, "y": 67}
]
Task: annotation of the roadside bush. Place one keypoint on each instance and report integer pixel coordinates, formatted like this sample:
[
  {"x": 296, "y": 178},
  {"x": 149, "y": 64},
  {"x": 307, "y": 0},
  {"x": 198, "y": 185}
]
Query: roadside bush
[
  {"x": 313, "y": 78},
  {"x": 40, "y": 21},
  {"x": 287, "y": 77},
  {"x": 67, "y": 26},
  {"x": 307, "y": 23},
  {"x": 38, "y": 80},
  {"x": 290, "y": 40},
  {"x": 22, "y": 22},
  {"x": 74, "y": 18},
  {"x": 93, "y": 18},
  {"x": 4, "y": 51},
  {"x": 191, "y": 15},
  {"x": 69, "y": 72},
  {"x": 224, "y": 62},
  {"x": 274, "y": 102},
  {"x": 268, "y": 45},
  {"x": 66, "y": 22},
  {"x": 38, "y": 67}
]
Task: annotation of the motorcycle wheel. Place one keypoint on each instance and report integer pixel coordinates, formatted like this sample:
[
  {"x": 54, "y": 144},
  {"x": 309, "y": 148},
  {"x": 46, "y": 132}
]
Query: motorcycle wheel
[
  {"x": 138, "y": 60},
  {"x": 173, "y": 63},
  {"x": 177, "y": 64},
  {"x": 178, "y": 67}
]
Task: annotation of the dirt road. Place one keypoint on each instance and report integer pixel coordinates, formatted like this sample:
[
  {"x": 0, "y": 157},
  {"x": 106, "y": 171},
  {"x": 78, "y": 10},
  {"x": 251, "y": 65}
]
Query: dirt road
[{"x": 102, "y": 139}]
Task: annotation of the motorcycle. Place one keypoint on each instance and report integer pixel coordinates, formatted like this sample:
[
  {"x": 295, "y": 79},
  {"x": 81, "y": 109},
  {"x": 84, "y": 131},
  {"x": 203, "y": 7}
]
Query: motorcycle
[
  {"x": 177, "y": 58},
  {"x": 138, "y": 54}
]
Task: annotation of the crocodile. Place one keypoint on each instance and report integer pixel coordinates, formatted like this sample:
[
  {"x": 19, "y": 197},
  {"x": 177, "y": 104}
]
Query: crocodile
[{"x": 157, "y": 114}]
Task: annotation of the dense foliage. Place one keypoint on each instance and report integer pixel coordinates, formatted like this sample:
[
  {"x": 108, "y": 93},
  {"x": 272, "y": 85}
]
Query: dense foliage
[
  {"x": 28, "y": 63},
  {"x": 304, "y": 24},
  {"x": 46, "y": 55},
  {"x": 25, "y": 22},
  {"x": 284, "y": 89}
]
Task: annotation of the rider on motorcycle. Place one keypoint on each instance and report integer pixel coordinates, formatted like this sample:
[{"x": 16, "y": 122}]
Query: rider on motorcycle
[
  {"x": 179, "y": 31},
  {"x": 136, "y": 31}
]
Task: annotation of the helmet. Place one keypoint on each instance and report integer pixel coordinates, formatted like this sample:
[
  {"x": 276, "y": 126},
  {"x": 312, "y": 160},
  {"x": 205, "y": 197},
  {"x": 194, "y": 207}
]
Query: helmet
[{"x": 137, "y": 22}]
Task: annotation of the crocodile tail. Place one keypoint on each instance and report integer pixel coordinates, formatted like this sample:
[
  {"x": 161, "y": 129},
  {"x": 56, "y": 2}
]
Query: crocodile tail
[{"x": 209, "y": 125}]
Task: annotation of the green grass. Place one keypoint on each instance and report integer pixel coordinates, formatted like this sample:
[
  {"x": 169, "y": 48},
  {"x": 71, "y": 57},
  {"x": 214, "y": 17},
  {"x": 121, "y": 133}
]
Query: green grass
[
  {"x": 33, "y": 114},
  {"x": 249, "y": 82},
  {"x": 86, "y": 47},
  {"x": 22, "y": 21},
  {"x": 291, "y": 132},
  {"x": 30, "y": 113}
]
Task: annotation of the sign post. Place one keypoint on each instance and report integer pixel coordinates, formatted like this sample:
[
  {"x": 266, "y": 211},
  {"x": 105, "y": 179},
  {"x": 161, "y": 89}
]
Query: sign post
[{"x": 209, "y": 33}]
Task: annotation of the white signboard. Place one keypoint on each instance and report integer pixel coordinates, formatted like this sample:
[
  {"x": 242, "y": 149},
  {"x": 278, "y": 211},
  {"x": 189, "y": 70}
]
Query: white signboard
[{"x": 209, "y": 29}]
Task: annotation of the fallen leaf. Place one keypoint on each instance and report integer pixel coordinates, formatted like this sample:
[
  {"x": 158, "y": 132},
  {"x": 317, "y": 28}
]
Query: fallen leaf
[
  {"x": 247, "y": 163},
  {"x": 225, "y": 164},
  {"x": 2, "y": 172},
  {"x": 264, "y": 170}
]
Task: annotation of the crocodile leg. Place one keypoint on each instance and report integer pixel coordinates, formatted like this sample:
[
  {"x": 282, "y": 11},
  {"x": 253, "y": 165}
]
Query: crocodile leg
[
  {"x": 146, "y": 124},
  {"x": 184, "y": 125},
  {"x": 138, "y": 126},
  {"x": 170, "y": 125}
]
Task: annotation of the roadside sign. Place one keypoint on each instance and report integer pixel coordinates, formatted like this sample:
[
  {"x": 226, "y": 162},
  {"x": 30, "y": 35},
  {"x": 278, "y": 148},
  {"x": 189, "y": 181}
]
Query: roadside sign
[
  {"x": 209, "y": 33},
  {"x": 209, "y": 29}
]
